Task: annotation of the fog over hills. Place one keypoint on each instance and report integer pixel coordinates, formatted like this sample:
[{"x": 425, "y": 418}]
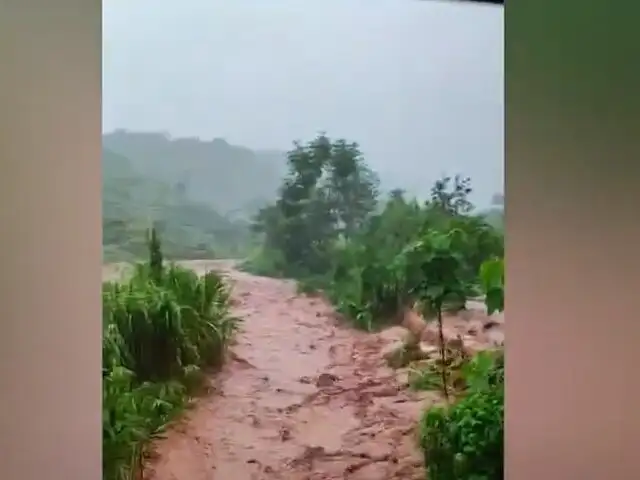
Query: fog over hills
[
  {"x": 228, "y": 177},
  {"x": 393, "y": 76}
]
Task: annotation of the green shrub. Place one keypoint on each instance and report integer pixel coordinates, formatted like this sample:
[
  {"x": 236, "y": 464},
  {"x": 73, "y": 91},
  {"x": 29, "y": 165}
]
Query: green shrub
[{"x": 465, "y": 441}]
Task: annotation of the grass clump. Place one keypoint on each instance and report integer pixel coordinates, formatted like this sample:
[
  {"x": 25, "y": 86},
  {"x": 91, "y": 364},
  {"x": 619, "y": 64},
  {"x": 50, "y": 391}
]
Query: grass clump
[{"x": 162, "y": 327}]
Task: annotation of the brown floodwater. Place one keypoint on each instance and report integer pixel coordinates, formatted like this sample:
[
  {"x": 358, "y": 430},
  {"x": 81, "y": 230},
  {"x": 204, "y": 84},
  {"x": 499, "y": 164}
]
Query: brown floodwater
[{"x": 300, "y": 398}]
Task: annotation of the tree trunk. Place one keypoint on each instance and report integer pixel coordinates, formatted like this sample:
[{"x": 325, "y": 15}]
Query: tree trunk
[{"x": 443, "y": 356}]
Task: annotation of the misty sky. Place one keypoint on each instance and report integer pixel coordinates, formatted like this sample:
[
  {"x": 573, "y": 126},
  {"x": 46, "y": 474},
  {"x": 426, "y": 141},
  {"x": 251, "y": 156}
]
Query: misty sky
[{"x": 418, "y": 84}]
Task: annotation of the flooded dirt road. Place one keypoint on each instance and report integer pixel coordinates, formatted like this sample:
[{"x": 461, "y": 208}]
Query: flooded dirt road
[{"x": 301, "y": 398}]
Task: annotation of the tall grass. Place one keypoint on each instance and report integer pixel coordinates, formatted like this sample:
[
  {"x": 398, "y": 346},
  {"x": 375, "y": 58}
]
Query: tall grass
[{"x": 162, "y": 327}]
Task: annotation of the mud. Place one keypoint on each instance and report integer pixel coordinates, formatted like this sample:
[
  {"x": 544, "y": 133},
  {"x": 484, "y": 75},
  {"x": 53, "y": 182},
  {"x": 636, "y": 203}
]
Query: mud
[{"x": 300, "y": 398}]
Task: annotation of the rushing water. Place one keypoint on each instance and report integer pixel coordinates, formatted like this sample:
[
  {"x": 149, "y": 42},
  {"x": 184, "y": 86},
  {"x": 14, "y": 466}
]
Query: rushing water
[{"x": 300, "y": 398}]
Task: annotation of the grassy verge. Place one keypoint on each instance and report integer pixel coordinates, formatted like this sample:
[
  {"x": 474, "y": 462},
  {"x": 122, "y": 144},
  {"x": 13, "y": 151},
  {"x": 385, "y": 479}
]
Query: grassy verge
[{"x": 163, "y": 327}]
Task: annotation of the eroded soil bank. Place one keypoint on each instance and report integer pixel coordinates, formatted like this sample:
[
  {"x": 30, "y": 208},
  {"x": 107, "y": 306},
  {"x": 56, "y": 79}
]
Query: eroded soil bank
[{"x": 301, "y": 398}]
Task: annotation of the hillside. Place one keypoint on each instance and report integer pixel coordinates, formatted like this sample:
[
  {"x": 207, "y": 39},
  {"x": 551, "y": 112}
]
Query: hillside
[
  {"x": 232, "y": 179},
  {"x": 131, "y": 201}
]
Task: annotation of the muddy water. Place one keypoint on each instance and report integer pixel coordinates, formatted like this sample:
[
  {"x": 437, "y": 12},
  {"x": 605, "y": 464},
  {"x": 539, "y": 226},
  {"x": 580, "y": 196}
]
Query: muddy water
[{"x": 301, "y": 399}]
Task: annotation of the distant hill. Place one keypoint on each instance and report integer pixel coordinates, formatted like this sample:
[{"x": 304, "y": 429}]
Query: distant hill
[
  {"x": 132, "y": 201},
  {"x": 229, "y": 178}
]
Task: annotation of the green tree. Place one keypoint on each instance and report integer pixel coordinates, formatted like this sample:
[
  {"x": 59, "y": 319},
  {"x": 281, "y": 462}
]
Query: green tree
[
  {"x": 352, "y": 187},
  {"x": 306, "y": 223},
  {"x": 327, "y": 195},
  {"x": 432, "y": 268},
  {"x": 451, "y": 195}
]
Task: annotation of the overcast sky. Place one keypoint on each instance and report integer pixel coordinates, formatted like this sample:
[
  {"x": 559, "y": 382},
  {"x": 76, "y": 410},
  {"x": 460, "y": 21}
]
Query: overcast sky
[{"x": 419, "y": 84}]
